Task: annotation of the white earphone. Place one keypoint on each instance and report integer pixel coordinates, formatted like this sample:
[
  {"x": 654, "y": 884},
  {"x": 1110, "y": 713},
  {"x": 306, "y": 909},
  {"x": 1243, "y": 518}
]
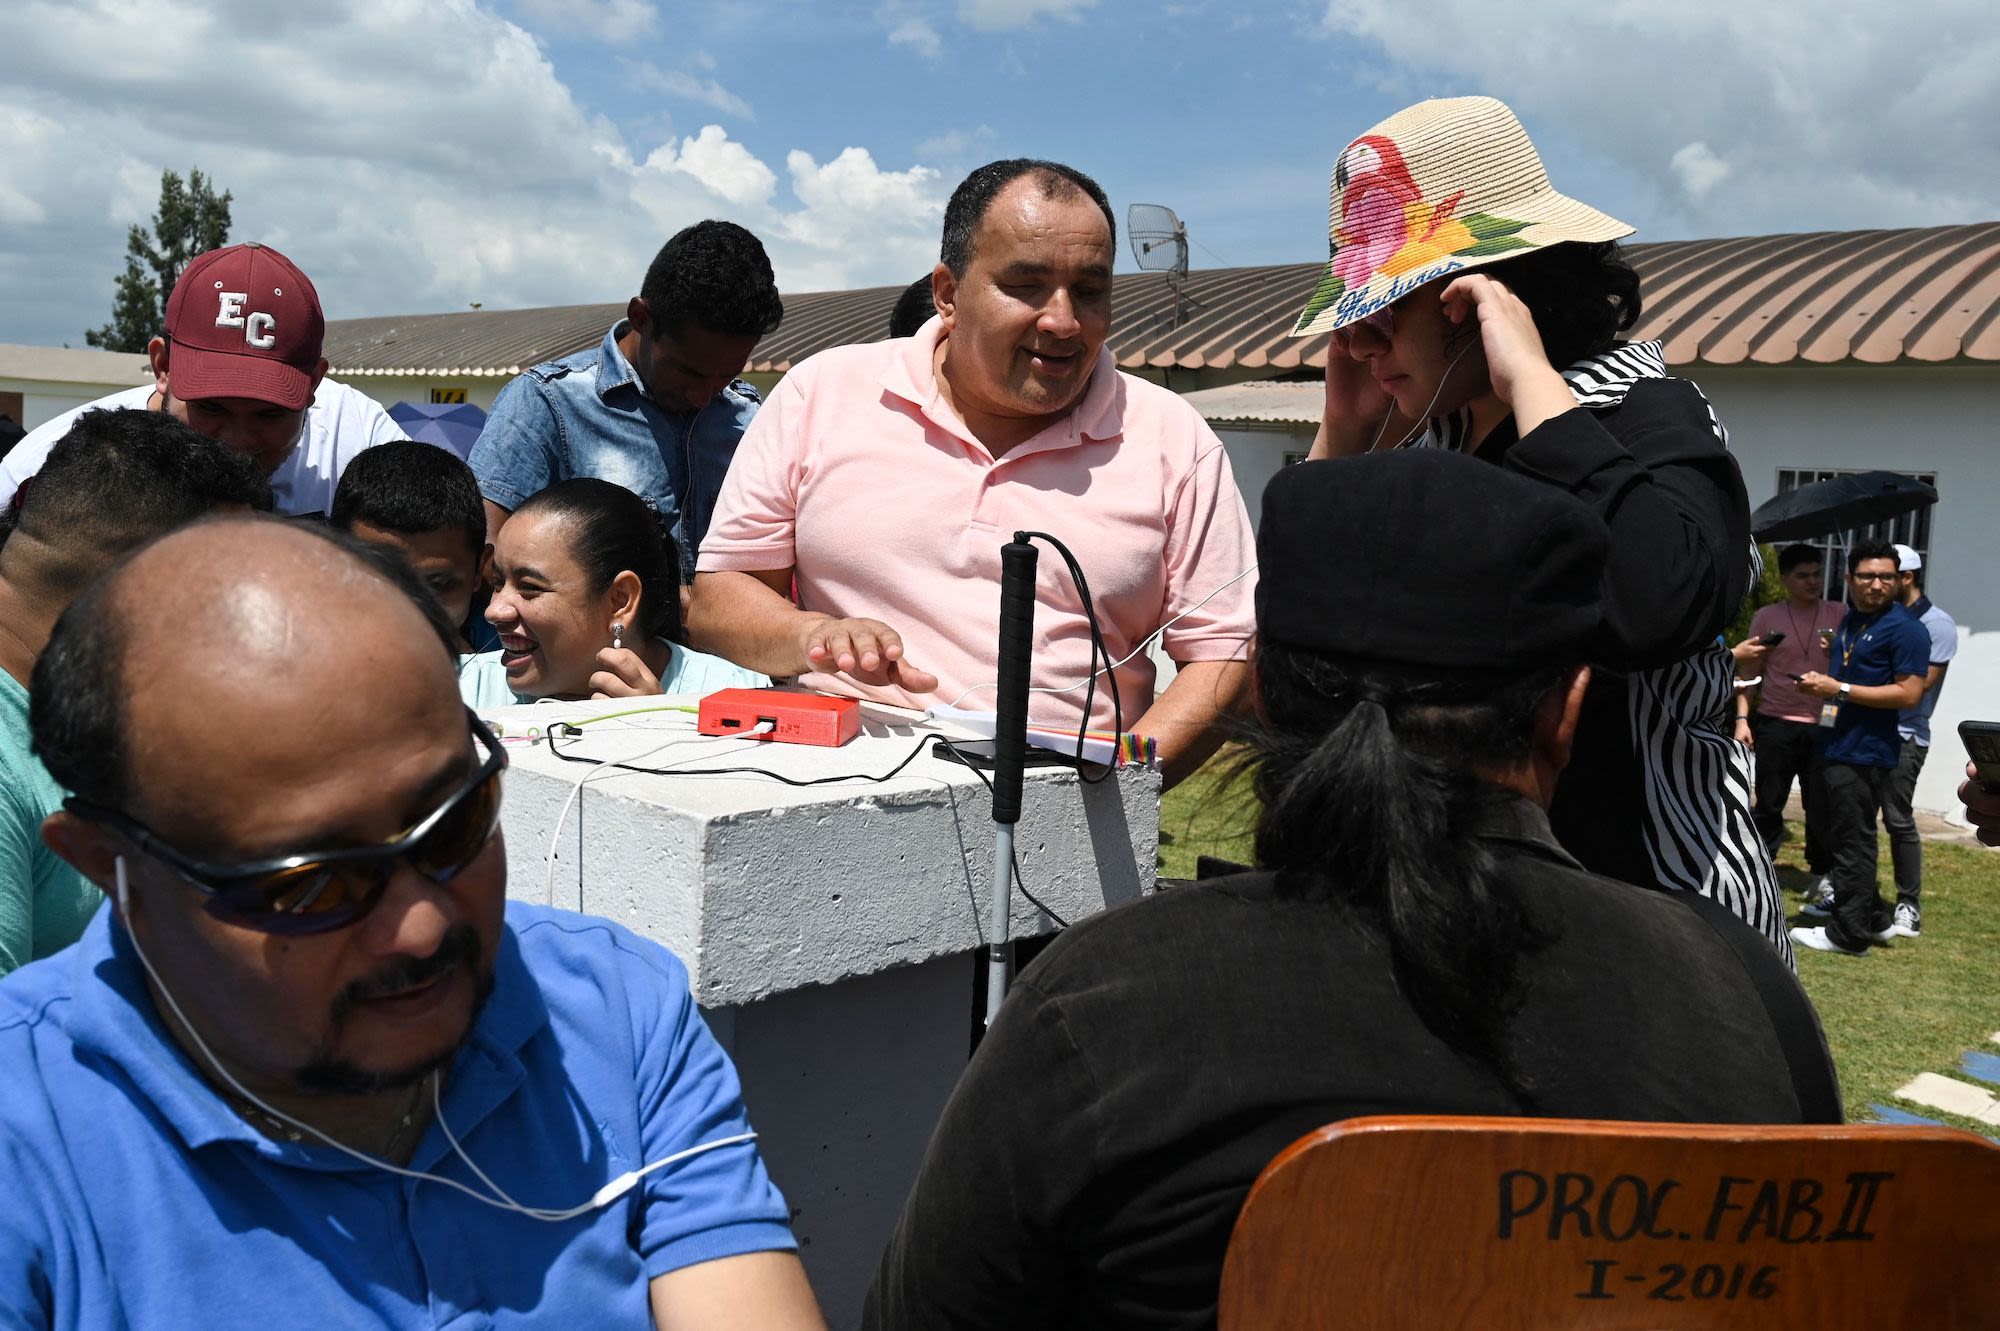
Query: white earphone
[{"x": 610, "y": 1192}]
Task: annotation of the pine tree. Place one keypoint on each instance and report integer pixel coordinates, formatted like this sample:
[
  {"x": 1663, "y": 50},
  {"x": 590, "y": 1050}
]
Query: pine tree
[{"x": 191, "y": 220}]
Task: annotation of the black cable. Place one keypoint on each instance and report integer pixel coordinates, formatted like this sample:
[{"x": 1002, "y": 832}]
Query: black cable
[
  {"x": 1097, "y": 651},
  {"x": 562, "y": 727},
  {"x": 986, "y": 781},
  {"x": 891, "y": 774}
]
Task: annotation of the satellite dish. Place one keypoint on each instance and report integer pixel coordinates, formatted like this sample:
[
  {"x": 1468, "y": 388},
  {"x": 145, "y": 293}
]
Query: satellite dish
[{"x": 1160, "y": 245}]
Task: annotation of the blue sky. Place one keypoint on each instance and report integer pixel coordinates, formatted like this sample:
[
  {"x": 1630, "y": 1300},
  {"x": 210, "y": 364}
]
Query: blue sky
[{"x": 416, "y": 155}]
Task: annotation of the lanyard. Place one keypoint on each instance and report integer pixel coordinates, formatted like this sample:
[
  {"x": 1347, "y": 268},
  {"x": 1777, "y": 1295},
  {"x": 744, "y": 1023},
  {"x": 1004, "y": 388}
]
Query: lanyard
[{"x": 1847, "y": 646}]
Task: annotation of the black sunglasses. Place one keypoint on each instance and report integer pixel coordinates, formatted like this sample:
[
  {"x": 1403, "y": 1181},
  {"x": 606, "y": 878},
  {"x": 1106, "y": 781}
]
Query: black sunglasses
[{"x": 317, "y": 893}]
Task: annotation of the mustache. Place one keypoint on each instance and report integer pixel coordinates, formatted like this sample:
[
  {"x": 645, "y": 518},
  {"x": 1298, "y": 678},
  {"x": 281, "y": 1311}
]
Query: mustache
[{"x": 459, "y": 946}]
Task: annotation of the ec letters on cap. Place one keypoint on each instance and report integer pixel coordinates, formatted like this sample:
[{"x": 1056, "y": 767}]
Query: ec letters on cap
[{"x": 258, "y": 327}]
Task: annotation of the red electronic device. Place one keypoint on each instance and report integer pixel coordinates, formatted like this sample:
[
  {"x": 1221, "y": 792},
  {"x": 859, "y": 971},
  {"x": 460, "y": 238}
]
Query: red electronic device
[{"x": 796, "y": 718}]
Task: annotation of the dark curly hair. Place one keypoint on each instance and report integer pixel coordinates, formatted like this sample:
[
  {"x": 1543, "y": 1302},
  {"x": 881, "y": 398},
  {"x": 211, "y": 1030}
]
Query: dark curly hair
[
  {"x": 913, "y": 308},
  {"x": 975, "y": 194},
  {"x": 1582, "y": 296},
  {"x": 118, "y": 478},
  {"x": 412, "y": 488},
  {"x": 716, "y": 276}
]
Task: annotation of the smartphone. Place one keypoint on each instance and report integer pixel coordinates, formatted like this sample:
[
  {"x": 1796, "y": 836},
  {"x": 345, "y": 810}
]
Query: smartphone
[
  {"x": 1982, "y": 745},
  {"x": 1770, "y": 640},
  {"x": 979, "y": 753}
]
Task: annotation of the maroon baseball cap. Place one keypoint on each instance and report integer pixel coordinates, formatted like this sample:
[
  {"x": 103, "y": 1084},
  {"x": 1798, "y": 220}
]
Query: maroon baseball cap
[{"x": 244, "y": 322}]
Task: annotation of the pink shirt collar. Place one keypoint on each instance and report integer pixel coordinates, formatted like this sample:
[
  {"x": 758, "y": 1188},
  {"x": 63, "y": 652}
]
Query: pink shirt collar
[{"x": 1099, "y": 415}]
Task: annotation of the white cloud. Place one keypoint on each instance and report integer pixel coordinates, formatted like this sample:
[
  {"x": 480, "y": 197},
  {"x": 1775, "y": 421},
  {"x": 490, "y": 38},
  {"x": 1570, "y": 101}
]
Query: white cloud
[
  {"x": 609, "y": 21},
  {"x": 1007, "y": 15},
  {"x": 1824, "y": 116},
  {"x": 1698, "y": 169},
  {"x": 403, "y": 175},
  {"x": 680, "y": 83},
  {"x": 955, "y": 145},
  {"x": 918, "y": 35},
  {"x": 716, "y": 163},
  {"x": 852, "y": 207}
]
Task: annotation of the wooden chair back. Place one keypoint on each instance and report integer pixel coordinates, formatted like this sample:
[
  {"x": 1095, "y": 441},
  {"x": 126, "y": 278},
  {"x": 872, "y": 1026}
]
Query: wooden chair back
[{"x": 1432, "y": 1224}]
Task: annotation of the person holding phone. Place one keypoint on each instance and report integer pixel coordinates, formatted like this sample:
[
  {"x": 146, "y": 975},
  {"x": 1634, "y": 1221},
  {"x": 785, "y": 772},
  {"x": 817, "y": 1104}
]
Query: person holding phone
[
  {"x": 1980, "y": 793},
  {"x": 1785, "y": 643},
  {"x": 1879, "y": 658}
]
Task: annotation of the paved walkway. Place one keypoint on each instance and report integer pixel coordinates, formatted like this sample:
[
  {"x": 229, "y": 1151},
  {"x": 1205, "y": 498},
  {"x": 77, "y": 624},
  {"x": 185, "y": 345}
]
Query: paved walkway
[{"x": 1970, "y": 1094}]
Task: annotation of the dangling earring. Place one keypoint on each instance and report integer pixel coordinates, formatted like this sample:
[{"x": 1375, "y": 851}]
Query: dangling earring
[{"x": 617, "y": 635}]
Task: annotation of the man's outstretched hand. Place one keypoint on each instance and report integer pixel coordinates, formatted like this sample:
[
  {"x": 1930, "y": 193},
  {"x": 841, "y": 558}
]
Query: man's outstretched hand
[{"x": 865, "y": 650}]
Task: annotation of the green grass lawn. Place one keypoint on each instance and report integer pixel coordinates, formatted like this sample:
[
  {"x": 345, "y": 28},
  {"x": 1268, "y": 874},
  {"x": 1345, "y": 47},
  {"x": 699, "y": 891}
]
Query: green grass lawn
[{"x": 1908, "y": 1007}]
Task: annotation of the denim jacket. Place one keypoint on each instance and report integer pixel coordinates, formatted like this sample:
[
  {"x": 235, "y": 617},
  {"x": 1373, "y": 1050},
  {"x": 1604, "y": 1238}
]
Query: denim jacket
[{"x": 589, "y": 415}]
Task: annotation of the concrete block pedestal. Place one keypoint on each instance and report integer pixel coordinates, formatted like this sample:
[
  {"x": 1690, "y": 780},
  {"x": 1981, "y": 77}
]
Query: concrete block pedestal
[{"x": 828, "y": 930}]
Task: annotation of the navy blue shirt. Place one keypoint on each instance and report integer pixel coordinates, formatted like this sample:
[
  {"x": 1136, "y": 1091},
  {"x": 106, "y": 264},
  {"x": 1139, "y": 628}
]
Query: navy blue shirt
[
  {"x": 135, "y": 1197},
  {"x": 1871, "y": 651},
  {"x": 590, "y": 415}
]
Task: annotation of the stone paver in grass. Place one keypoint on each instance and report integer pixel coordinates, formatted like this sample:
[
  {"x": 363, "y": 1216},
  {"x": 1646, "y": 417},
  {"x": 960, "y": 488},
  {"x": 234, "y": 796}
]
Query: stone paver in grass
[
  {"x": 1902, "y": 1117},
  {"x": 1953, "y": 1096},
  {"x": 1981, "y": 1067}
]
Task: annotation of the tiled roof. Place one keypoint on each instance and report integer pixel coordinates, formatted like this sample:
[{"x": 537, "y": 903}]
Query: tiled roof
[
  {"x": 1273, "y": 401},
  {"x": 1915, "y": 295}
]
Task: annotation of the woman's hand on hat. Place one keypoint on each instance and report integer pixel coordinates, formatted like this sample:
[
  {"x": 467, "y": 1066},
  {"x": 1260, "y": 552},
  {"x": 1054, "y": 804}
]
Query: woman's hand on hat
[
  {"x": 1516, "y": 365},
  {"x": 621, "y": 674}
]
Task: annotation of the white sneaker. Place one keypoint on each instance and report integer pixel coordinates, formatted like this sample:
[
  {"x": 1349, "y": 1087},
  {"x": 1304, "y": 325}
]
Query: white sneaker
[
  {"x": 1819, "y": 899},
  {"x": 1909, "y": 922},
  {"x": 1816, "y": 939}
]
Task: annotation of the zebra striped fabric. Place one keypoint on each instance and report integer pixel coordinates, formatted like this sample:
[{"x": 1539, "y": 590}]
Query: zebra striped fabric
[{"x": 1699, "y": 833}]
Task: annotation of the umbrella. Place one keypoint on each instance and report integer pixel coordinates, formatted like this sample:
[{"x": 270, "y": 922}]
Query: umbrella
[
  {"x": 1853, "y": 500},
  {"x": 452, "y": 425}
]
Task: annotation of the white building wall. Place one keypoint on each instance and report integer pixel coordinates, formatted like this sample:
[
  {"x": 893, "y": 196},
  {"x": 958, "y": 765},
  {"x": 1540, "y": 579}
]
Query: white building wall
[
  {"x": 1256, "y": 452},
  {"x": 1900, "y": 418},
  {"x": 40, "y": 407},
  {"x": 1971, "y": 693}
]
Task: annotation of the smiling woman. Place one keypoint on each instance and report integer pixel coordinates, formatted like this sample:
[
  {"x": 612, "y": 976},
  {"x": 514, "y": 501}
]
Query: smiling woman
[{"x": 586, "y": 599}]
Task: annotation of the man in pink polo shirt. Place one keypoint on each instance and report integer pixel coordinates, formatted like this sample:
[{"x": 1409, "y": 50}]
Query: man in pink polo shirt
[
  {"x": 1785, "y": 725},
  {"x": 883, "y": 480}
]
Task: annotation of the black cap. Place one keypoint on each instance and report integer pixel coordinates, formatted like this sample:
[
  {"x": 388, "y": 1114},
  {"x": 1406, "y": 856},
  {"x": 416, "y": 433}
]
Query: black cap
[{"x": 1428, "y": 558}]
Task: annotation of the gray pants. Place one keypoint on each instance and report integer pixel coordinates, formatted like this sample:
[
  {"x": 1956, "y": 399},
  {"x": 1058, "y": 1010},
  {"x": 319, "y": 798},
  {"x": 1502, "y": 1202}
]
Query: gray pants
[{"x": 1906, "y": 846}]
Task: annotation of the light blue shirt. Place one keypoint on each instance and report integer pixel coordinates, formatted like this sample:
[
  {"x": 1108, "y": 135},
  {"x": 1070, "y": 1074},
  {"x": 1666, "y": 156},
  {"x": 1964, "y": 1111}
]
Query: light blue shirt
[
  {"x": 1914, "y": 723},
  {"x": 589, "y": 415},
  {"x": 136, "y": 1198},
  {"x": 482, "y": 680}
]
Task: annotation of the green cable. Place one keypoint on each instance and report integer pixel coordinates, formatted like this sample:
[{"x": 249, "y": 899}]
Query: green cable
[{"x": 636, "y": 711}]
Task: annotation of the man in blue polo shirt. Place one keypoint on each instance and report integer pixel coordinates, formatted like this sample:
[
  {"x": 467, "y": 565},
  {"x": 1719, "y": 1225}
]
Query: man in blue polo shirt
[
  {"x": 657, "y": 406},
  {"x": 311, "y": 1068},
  {"x": 1879, "y": 658}
]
